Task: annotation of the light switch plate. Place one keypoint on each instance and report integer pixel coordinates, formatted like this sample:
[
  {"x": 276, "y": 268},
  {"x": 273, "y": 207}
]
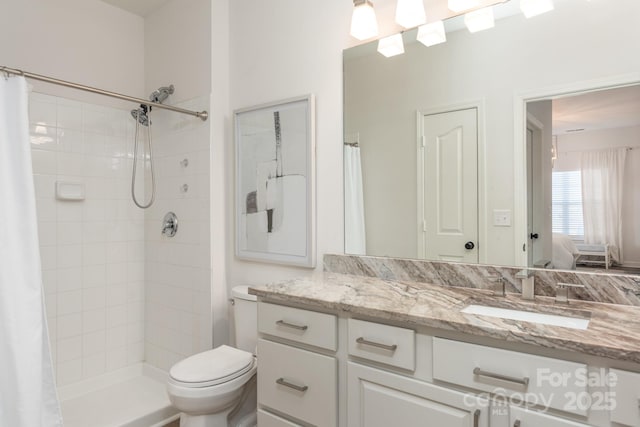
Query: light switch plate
[{"x": 502, "y": 218}]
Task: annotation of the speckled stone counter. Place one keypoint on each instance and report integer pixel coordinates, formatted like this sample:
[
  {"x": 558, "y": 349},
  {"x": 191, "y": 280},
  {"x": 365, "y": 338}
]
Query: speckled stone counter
[{"x": 613, "y": 332}]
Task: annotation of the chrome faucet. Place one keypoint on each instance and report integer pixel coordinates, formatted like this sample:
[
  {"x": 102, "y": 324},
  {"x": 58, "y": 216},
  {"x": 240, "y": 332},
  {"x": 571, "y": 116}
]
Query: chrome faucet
[
  {"x": 501, "y": 287},
  {"x": 562, "y": 291},
  {"x": 528, "y": 287}
]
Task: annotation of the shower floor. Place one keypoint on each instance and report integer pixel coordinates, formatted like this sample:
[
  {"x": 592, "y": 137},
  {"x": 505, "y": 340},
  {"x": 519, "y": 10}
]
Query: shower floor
[{"x": 134, "y": 397}]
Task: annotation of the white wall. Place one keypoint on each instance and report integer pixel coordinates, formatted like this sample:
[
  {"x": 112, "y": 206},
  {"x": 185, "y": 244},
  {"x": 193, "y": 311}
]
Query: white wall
[
  {"x": 569, "y": 147},
  {"x": 82, "y": 41},
  {"x": 516, "y": 57},
  {"x": 178, "y": 270},
  {"x": 280, "y": 49}
]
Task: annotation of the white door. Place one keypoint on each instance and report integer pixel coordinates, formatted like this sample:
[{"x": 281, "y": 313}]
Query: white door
[
  {"x": 449, "y": 175},
  {"x": 381, "y": 399}
]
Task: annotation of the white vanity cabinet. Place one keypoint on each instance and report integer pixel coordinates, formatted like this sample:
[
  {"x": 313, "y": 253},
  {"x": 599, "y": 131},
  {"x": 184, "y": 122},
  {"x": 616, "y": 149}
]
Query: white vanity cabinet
[
  {"x": 382, "y": 399},
  {"x": 298, "y": 383},
  {"x": 625, "y": 392},
  {"x": 521, "y": 417}
]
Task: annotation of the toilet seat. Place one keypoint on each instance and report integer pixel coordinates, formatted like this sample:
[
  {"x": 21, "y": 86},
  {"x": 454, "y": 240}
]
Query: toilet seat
[{"x": 212, "y": 367}]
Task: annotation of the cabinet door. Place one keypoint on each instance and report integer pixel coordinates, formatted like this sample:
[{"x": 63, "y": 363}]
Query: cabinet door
[
  {"x": 626, "y": 395},
  {"x": 299, "y": 383},
  {"x": 520, "y": 417},
  {"x": 381, "y": 399}
]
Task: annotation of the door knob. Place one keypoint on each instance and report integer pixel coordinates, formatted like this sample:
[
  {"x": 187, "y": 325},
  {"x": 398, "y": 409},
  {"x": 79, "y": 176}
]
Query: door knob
[
  {"x": 533, "y": 236},
  {"x": 469, "y": 245}
]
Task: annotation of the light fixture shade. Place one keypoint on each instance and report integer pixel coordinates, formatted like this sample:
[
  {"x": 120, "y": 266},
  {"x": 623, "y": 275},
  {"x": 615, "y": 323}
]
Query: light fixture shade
[
  {"x": 531, "y": 8},
  {"x": 391, "y": 46},
  {"x": 460, "y": 5},
  {"x": 478, "y": 20},
  {"x": 431, "y": 34},
  {"x": 363, "y": 20},
  {"x": 410, "y": 13}
]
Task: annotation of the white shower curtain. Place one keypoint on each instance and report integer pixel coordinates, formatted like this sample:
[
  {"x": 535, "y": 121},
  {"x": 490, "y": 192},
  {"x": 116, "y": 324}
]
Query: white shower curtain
[
  {"x": 354, "y": 235},
  {"x": 27, "y": 388},
  {"x": 602, "y": 183}
]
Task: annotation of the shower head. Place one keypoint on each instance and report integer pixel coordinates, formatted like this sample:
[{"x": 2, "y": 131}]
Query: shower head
[
  {"x": 159, "y": 95},
  {"x": 140, "y": 114}
]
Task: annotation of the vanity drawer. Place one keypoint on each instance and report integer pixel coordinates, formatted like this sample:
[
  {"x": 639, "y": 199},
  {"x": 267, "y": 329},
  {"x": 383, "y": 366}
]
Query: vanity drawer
[
  {"x": 267, "y": 419},
  {"x": 539, "y": 380},
  {"x": 383, "y": 343},
  {"x": 626, "y": 387},
  {"x": 297, "y": 382},
  {"x": 522, "y": 417},
  {"x": 304, "y": 326}
]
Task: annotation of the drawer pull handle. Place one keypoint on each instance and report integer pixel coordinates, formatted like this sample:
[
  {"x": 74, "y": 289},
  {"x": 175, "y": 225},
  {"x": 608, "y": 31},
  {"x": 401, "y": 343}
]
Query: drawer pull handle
[
  {"x": 516, "y": 424},
  {"x": 300, "y": 388},
  {"x": 291, "y": 325},
  {"x": 476, "y": 418},
  {"x": 388, "y": 347},
  {"x": 481, "y": 373}
]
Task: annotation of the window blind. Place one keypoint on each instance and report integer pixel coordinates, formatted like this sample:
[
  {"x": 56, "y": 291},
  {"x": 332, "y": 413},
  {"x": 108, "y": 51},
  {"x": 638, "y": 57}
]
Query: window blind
[{"x": 567, "y": 203}]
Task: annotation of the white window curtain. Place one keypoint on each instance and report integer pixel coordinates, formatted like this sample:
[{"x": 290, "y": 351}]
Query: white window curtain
[
  {"x": 354, "y": 236},
  {"x": 27, "y": 388},
  {"x": 602, "y": 184}
]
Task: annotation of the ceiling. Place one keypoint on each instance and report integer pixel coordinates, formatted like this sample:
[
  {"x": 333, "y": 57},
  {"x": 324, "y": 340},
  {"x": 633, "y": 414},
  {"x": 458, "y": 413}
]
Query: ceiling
[
  {"x": 139, "y": 7},
  {"x": 604, "y": 109}
]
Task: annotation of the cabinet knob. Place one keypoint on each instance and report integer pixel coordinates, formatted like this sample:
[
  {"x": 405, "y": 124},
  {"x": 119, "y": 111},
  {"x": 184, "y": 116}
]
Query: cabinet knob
[
  {"x": 469, "y": 245},
  {"x": 516, "y": 424}
]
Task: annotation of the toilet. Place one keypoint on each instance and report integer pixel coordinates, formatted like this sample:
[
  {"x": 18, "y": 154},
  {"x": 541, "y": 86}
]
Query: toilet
[{"x": 216, "y": 388}]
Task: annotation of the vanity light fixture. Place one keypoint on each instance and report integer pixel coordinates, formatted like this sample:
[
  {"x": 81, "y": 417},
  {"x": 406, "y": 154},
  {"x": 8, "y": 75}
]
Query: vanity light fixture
[
  {"x": 478, "y": 20},
  {"x": 410, "y": 13},
  {"x": 391, "y": 46},
  {"x": 460, "y": 5},
  {"x": 432, "y": 34},
  {"x": 363, "y": 20},
  {"x": 531, "y": 8}
]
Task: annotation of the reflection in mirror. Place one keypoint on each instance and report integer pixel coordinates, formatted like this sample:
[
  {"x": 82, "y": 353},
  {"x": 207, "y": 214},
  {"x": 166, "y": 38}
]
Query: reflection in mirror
[
  {"x": 583, "y": 151},
  {"x": 472, "y": 86}
]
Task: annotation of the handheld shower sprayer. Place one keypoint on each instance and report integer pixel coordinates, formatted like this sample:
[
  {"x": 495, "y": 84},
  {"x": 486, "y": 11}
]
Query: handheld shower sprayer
[{"x": 141, "y": 116}]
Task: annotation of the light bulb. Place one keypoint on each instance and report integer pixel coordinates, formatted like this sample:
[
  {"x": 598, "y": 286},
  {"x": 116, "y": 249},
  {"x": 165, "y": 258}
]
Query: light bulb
[
  {"x": 391, "y": 46},
  {"x": 531, "y": 8},
  {"x": 410, "y": 13},
  {"x": 478, "y": 20},
  {"x": 363, "y": 20},
  {"x": 460, "y": 5},
  {"x": 432, "y": 34}
]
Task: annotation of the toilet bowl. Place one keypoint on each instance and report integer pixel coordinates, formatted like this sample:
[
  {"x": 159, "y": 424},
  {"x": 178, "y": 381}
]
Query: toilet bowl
[{"x": 213, "y": 386}]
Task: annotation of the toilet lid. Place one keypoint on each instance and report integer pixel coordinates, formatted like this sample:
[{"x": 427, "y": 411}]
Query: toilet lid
[{"x": 212, "y": 367}]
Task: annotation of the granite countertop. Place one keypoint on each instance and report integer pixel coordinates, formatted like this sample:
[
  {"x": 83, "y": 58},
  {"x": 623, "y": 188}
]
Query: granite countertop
[{"x": 613, "y": 331}]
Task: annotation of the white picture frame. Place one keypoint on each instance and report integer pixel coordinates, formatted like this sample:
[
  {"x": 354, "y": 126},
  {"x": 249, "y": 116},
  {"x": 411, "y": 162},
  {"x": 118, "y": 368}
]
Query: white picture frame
[{"x": 275, "y": 216}]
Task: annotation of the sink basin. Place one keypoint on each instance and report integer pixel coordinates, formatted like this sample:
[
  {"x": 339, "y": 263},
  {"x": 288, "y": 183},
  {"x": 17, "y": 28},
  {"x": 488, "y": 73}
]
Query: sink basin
[{"x": 528, "y": 316}]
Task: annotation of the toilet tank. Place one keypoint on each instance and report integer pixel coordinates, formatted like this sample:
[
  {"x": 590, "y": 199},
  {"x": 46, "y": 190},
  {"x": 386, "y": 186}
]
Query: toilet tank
[{"x": 245, "y": 313}]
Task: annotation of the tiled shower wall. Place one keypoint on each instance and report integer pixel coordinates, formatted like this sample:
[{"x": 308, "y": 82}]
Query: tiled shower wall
[
  {"x": 93, "y": 249},
  {"x": 178, "y": 269}
]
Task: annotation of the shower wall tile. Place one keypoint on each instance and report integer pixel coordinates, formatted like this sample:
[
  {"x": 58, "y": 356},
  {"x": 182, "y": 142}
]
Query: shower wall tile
[
  {"x": 91, "y": 250},
  {"x": 178, "y": 269}
]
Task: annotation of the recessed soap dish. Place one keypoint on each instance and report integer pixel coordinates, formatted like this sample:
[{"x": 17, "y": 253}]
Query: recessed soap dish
[{"x": 67, "y": 190}]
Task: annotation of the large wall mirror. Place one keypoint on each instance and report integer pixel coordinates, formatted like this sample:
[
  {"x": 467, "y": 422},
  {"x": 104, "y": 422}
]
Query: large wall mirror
[{"x": 470, "y": 150}]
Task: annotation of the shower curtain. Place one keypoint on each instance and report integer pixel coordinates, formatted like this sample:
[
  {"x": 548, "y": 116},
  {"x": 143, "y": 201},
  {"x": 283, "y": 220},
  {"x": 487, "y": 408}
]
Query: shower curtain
[
  {"x": 27, "y": 388},
  {"x": 602, "y": 184},
  {"x": 354, "y": 235}
]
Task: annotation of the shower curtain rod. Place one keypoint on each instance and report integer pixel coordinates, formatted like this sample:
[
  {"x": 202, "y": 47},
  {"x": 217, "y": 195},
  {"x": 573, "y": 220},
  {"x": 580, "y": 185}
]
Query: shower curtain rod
[{"x": 201, "y": 114}]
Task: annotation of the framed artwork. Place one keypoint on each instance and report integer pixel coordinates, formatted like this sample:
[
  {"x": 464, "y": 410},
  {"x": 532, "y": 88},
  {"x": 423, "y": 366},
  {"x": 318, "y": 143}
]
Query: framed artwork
[{"x": 275, "y": 182}]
